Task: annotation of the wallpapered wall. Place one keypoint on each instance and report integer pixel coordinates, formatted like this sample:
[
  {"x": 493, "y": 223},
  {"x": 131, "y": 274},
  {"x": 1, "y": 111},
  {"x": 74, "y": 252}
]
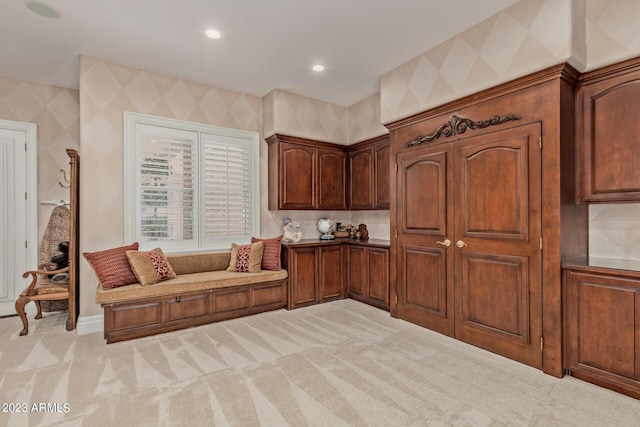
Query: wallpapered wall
[
  {"x": 296, "y": 115},
  {"x": 526, "y": 37},
  {"x": 56, "y": 112}
]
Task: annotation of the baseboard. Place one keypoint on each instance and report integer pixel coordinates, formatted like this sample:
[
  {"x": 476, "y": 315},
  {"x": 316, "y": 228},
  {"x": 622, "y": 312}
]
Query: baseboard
[{"x": 90, "y": 324}]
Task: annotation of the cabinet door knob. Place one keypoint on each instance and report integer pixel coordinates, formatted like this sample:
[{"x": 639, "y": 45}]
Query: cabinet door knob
[
  {"x": 460, "y": 244},
  {"x": 446, "y": 243}
]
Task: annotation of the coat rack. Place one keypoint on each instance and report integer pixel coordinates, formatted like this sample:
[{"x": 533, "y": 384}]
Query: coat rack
[
  {"x": 55, "y": 202},
  {"x": 64, "y": 182}
]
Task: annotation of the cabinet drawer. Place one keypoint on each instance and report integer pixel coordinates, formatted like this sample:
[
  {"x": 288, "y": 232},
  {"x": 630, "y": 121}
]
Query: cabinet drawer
[
  {"x": 231, "y": 301},
  {"x": 272, "y": 294},
  {"x": 186, "y": 306},
  {"x": 133, "y": 316}
]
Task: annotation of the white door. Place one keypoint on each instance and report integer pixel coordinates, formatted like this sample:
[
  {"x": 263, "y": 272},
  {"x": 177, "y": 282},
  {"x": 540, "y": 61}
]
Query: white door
[{"x": 18, "y": 209}]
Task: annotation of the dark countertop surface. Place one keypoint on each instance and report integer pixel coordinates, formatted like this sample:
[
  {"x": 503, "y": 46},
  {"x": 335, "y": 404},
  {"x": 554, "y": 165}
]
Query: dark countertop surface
[
  {"x": 604, "y": 264},
  {"x": 338, "y": 241}
]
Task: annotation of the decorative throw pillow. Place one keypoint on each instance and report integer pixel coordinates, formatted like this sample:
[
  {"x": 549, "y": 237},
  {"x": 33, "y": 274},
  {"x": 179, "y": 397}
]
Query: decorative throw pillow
[
  {"x": 271, "y": 253},
  {"x": 246, "y": 258},
  {"x": 150, "y": 267},
  {"x": 112, "y": 266}
]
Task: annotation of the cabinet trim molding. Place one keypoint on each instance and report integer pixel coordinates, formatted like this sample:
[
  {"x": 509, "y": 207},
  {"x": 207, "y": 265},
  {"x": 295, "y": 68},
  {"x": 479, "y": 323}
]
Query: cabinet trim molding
[{"x": 459, "y": 125}]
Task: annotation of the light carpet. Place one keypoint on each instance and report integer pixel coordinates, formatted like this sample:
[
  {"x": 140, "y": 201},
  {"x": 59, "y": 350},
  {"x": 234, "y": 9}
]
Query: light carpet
[{"x": 336, "y": 364}]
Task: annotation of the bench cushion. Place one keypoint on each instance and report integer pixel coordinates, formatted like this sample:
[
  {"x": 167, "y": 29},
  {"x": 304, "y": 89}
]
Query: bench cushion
[
  {"x": 184, "y": 283},
  {"x": 199, "y": 262}
]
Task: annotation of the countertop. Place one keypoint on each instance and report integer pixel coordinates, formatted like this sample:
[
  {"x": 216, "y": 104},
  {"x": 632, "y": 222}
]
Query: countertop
[
  {"x": 607, "y": 265},
  {"x": 380, "y": 243}
]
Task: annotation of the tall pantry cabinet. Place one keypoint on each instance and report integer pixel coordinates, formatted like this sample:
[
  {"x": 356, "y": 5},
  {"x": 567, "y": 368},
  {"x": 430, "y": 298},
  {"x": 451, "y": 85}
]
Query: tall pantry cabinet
[{"x": 483, "y": 213}]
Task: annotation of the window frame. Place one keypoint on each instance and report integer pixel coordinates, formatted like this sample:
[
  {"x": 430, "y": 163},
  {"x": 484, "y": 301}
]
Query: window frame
[{"x": 131, "y": 184}]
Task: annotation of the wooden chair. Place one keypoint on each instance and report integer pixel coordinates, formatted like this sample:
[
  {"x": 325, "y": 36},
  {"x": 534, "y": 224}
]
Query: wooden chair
[{"x": 42, "y": 288}]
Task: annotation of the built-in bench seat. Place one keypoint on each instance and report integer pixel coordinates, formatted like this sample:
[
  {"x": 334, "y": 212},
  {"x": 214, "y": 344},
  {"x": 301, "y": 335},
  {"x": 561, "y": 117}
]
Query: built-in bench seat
[{"x": 202, "y": 292}]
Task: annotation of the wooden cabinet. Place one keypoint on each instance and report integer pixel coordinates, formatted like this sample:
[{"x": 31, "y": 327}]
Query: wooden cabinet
[
  {"x": 157, "y": 314},
  {"x": 297, "y": 176},
  {"x": 361, "y": 179},
  {"x": 332, "y": 179},
  {"x": 306, "y": 174},
  {"x": 483, "y": 213},
  {"x": 331, "y": 272},
  {"x": 368, "y": 275},
  {"x": 369, "y": 174},
  {"x": 319, "y": 271},
  {"x": 301, "y": 263},
  {"x": 382, "y": 163},
  {"x": 602, "y": 318},
  {"x": 316, "y": 272},
  {"x": 608, "y": 134}
]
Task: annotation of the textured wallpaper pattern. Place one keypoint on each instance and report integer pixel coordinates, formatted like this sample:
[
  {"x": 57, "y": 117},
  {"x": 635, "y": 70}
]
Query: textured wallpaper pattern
[
  {"x": 56, "y": 112},
  {"x": 526, "y": 37},
  {"x": 612, "y": 31},
  {"x": 364, "y": 119},
  {"x": 296, "y": 115}
]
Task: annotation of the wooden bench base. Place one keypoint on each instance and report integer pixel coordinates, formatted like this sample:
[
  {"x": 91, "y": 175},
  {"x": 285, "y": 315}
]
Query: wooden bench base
[{"x": 151, "y": 316}]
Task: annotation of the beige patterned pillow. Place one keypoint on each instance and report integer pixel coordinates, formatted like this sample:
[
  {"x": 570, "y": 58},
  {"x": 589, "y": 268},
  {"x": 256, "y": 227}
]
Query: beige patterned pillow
[
  {"x": 246, "y": 258},
  {"x": 150, "y": 267}
]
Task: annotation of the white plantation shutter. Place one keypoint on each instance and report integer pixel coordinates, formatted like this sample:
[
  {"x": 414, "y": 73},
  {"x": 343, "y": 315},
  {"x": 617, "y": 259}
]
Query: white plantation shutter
[
  {"x": 189, "y": 186},
  {"x": 167, "y": 182},
  {"x": 226, "y": 192}
]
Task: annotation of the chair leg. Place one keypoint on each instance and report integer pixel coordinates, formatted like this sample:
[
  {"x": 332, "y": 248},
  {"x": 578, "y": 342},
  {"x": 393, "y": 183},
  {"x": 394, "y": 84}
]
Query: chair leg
[
  {"x": 39, "y": 315},
  {"x": 20, "y": 303}
]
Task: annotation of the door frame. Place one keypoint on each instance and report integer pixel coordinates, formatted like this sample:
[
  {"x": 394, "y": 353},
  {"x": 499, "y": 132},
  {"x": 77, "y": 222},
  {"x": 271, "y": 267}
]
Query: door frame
[{"x": 29, "y": 258}]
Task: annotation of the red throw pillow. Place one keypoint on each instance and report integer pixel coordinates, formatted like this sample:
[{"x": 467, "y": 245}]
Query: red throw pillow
[
  {"x": 271, "y": 253},
  {"x": 112, "y": 266}
]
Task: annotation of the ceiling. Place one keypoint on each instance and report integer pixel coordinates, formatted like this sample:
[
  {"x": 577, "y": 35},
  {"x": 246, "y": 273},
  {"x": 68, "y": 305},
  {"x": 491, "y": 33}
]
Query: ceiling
[{"x": 265, "y": 45}]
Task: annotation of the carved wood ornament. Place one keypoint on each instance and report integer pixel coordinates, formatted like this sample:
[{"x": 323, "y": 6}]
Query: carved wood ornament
[{"x": 458, "y": 125}]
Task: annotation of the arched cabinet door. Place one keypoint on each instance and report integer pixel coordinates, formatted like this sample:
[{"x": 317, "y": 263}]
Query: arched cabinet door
[
  {"x": 361, "y": 184},
  {"x": 332, "y": 179},
  {"x": 297, "y": 176},
  {"x": 608, "y": 134}
]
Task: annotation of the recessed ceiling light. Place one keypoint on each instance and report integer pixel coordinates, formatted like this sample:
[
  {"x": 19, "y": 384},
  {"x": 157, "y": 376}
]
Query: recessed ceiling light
[
  {"x": 42, "y": 9},
  {"x": 318, "y": 68},
  {"x": 213, "y": 34}
]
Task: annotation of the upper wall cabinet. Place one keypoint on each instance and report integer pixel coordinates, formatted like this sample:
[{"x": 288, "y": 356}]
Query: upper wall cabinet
[
  {"x": 608, "y": 134},
  {"x": 306, "y": 174},
  {"x": 369, "y": 174},
  {"x": 332, "y": 179}
]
